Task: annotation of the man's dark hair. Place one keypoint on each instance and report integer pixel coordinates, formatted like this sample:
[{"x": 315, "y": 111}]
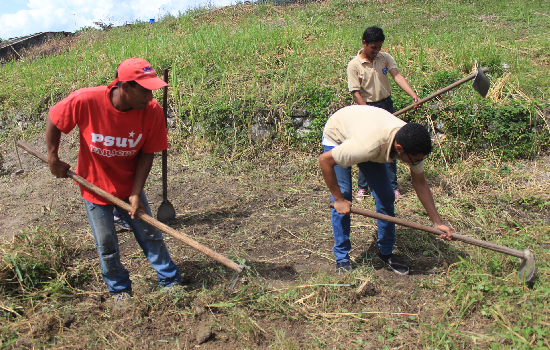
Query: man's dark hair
[
  {"x": 415, "y": 139},
  {"x": 132, "y": 83},
  {"x": 373, "y": 34}
]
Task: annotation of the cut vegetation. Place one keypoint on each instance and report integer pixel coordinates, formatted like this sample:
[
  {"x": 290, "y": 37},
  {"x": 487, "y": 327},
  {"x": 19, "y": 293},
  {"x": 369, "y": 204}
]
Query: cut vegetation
[{"x": 251, "y": 87}]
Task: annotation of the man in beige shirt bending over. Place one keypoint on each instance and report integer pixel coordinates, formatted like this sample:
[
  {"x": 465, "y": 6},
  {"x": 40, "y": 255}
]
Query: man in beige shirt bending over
[{"x": 370, "y": 137}]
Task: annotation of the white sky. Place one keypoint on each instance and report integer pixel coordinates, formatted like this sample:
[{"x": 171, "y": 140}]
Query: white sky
[{"x": 25, "y": 17}]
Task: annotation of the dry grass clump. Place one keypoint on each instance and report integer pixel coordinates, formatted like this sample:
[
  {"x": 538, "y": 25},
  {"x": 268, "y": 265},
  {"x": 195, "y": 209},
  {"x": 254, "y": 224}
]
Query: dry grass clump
[{"x": 35, "y": 258}]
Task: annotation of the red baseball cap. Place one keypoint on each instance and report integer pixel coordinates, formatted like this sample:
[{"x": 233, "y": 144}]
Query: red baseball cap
[{"x": 140, "y": 71}]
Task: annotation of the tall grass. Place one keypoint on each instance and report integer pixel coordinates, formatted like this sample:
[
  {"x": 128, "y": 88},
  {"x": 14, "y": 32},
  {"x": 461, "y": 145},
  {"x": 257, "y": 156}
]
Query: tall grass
[{"x": 236, "y": 66}]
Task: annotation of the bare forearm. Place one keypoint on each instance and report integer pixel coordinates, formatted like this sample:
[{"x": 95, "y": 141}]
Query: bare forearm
[
  {"x": 404, "y": 84},
  {"x": 358, "y": 98},
  {"x": 327, "y": 164},
  {"x": 53, "y": 137},
  {"x": 426, "y": 198},
  {"x": 57, "y": 167}
]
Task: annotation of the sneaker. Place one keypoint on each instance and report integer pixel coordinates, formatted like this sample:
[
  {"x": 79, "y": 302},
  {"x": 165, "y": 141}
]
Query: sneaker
[
  {"x": 343, "y": 267},
  {"x": 121, "y": 298},
  {"x": 360, "y": 194},
  {"x": 121, "y": 223},
  {"x": 395, "y": 263},
  {"x": 397, "y": 194}
]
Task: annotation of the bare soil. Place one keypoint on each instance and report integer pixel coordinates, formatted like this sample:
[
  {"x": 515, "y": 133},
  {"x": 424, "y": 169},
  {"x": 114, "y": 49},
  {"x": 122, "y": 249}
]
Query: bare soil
[{"x": 275, "y": 216}]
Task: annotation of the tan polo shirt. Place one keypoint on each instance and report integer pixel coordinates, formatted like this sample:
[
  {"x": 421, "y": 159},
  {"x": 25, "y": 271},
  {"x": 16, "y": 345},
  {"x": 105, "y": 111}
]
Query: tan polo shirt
[
  {"x": 371, "y": 79},
  {"x": 363, "y": 133}
]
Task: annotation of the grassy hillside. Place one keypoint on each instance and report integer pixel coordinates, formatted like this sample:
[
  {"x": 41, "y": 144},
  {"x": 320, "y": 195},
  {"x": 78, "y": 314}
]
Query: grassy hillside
[
  {"x": 264, "y": 204},
  {"x": 235, "y": 67}
]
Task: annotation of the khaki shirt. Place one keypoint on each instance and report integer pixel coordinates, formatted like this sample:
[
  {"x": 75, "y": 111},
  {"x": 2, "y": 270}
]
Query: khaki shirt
[
  {"x": 363, "y": 133},
  {"x": 371, "y": 79}
]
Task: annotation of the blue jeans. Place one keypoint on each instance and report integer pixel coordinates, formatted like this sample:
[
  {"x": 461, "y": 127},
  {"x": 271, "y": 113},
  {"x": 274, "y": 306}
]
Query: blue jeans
[
  {"x": 392, "y": 173},
  {"x": 148, "y": 237},
  {"x": 377, "y": 178},
  {"x": 387, "y": 104}
]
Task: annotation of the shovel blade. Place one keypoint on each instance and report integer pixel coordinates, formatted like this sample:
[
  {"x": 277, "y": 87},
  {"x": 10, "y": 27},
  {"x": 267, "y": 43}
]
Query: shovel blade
[
  {"x": 166, "y": 211},
  {"x": 481, "y": 83}
]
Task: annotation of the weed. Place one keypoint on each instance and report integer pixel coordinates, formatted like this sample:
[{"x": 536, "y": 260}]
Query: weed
[{"x": 37, "y": 258}]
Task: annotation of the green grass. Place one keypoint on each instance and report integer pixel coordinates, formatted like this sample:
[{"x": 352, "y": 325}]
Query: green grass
[
  {"x": 233, "y": 67},
  {"x": 473, "y": 301}
]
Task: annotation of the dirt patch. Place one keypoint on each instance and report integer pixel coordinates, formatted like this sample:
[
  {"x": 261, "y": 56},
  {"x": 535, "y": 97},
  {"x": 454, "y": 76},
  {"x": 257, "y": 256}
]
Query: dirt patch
[{"x": 278, "y": 225}]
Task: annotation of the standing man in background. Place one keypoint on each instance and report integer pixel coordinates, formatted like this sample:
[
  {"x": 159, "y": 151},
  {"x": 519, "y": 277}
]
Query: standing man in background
[{"x": 369, "y": 84}]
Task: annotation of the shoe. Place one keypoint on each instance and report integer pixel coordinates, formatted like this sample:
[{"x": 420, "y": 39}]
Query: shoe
[
  {"x": 395, "y": 263},
  {"x": 343, "y": 267},
  {"x": 397, "y": 194},
  {"x": 121, "y": 298},
  {"x": 121, "y": 223},
  {"x": 360, "y": 194}
]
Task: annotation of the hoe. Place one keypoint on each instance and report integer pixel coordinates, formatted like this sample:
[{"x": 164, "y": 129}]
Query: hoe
[
  {"x": 526, "y": 268},
  {"x": 151, "y": 221}
]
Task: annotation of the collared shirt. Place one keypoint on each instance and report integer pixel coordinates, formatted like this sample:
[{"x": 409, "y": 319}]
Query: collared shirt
[
  {"x": 363, "y": 133},
  {"x": 371, "y": 79}
]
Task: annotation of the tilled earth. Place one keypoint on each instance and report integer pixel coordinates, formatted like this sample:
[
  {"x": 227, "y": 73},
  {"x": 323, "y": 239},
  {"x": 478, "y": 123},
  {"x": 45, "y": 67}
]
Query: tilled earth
[{"x": 274, "y": 218}]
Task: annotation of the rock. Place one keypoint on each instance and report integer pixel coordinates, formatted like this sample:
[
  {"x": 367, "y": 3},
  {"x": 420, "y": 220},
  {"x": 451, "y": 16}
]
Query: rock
[
  {"x": 279, "y": 113},
  {"x": 203, "y": 334},
  {"x": 287, "y": 169},
  {"x": 302, "y": 132},
  {"x": 170, "y": 122},
  {"x": 367, "y": 289},
  {"x": 299, "y": 112},
  {"x": 199, "y": 310},
  {"x": 259, "y": 132},
  {"x": 297, "y": 121}
]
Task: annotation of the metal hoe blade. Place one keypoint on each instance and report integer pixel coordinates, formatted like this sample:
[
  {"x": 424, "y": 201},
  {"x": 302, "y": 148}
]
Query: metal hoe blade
[
  {"x": 236, "y": 277},
  {"x": 481, "y": 83},
  {"x": 527, "y": 267}
]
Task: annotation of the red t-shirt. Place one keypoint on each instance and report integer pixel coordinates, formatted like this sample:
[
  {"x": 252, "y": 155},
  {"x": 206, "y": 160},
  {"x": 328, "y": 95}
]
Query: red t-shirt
[{"x": 110, "y": 140}]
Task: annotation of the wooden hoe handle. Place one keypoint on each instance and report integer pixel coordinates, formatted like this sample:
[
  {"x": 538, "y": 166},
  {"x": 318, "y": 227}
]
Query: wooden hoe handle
[
  {"x": 456, "y": 236},
  {"x": 151, "y": 221},
  {"x": 441, "y": 91}
]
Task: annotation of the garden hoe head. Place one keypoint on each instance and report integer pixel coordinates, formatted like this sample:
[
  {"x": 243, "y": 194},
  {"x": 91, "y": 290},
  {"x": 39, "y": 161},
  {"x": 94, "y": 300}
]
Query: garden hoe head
[
  {"x": 481, "y": 83},
  {"x": 527, "y": 267}
]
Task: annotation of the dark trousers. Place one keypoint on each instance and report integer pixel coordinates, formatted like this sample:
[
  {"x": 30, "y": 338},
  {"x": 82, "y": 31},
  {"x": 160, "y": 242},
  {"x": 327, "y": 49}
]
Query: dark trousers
[{"x": 386, "y": 104}]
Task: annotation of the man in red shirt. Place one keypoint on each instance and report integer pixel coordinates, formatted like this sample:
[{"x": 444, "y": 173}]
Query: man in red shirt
[{"x": 121, "y": 127}]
